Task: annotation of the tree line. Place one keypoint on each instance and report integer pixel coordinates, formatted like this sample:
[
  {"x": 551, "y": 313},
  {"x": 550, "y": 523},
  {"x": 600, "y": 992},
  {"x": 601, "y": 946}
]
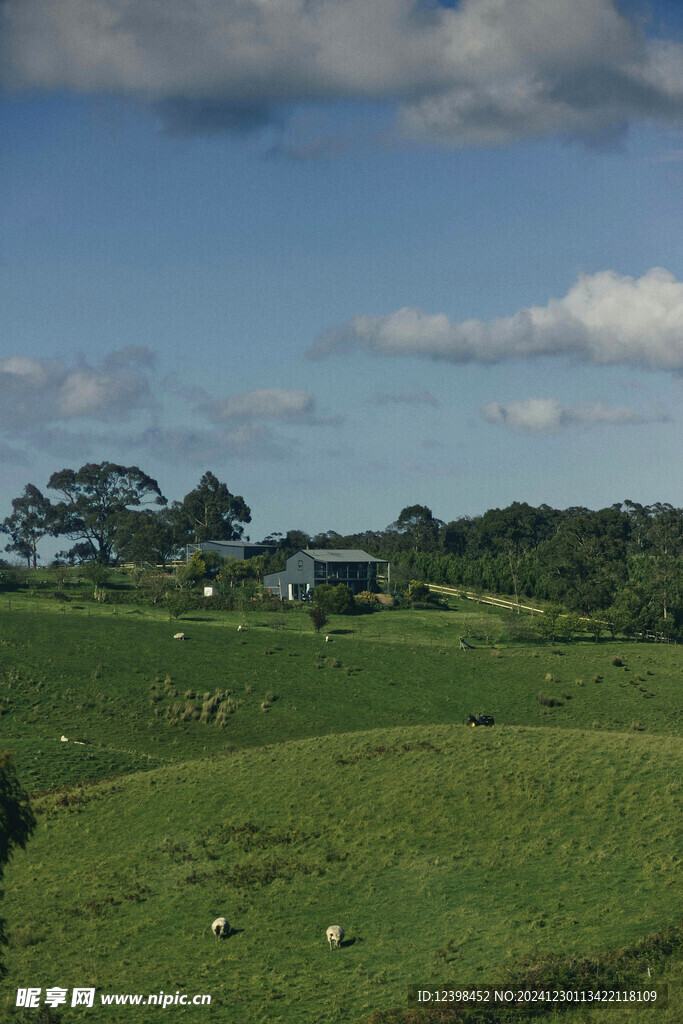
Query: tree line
[
  {"x": 106, "y": 510},
  {"x": 623, "y": 562}
]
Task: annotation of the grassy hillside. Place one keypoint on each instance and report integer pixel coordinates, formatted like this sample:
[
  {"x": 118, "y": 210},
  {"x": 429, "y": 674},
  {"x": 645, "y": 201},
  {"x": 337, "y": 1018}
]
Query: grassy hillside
[
  {"x": 290, "y": 783},
  {"x": 445, "y": 852},
  {"x": 135, "y": 697}
]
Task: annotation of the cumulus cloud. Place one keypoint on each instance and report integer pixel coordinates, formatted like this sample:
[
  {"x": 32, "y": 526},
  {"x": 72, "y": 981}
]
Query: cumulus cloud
[
  {"x": 409, "y": 398},
  {"x": 605, "y": 319},
  {"x": 39, "y": 391},
  {"x": 547, "y": 415},
  {"x": 483, "y": 71}
]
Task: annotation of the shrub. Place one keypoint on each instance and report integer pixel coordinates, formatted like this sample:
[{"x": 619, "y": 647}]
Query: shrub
[
  {"x": 211, "y": 705},
  {"x": 618, "y": 662},
  {"x": 190, "y": 713},
  {"x": 177, "y": 602},
  {"x": 417, "y": 591},
  {"x": 338, "y": 600},
  {"x": 318, "y": 617},
  {"x": 549, "y": 702}
]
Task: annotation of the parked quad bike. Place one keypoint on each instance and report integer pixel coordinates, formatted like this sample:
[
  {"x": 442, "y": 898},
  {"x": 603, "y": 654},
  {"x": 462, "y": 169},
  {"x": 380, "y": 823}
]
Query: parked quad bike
[{"x": 480, "y": 720}]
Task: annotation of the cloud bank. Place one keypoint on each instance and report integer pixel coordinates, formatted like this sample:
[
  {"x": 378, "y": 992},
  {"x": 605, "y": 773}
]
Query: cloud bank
[
  {"x": 39, "y": 391},
  {"x": 481, "y": 72},
  {"x": 52, "y": 407},
  {"x": 262, "y": 404},
  {"x": 604, "y": 319},
  {"x": 547, "y": 415}
]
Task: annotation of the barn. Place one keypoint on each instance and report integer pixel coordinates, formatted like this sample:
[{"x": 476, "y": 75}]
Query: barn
[{"x": 230, "y": 549}]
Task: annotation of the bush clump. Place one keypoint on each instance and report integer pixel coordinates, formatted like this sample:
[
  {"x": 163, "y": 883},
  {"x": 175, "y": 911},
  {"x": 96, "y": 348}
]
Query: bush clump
[{"x": 549, "y": 702}]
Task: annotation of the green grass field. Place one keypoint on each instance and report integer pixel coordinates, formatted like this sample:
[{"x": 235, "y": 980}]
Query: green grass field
[{"x": 290, "y": 783}]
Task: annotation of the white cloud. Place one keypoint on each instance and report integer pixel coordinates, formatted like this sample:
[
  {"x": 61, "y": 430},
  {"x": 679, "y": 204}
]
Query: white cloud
[
  {"x": 264, "y": 403},
  {"x": 485, "y": 71},
  {"x": 282, "y": 404},
  {"x": 547, "y": 415},
  {"x": 39, "y": 391},
  {"x": 605, "y": 319}
]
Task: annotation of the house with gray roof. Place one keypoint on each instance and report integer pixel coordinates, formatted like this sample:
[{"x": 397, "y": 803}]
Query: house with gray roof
[{"x": 310, "y": 568}]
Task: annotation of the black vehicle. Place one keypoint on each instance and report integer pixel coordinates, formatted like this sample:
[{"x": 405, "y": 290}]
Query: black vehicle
[{"x": 480, "y": 720}]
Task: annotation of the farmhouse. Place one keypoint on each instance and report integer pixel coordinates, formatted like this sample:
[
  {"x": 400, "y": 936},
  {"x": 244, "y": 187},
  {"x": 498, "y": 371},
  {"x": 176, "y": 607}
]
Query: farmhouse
[
  {"x": 230, "y": 549},
  {"x": 308, "y": 569}
]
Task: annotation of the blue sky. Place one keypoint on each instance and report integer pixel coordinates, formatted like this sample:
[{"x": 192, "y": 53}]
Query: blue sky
[{"x": 348, "y": 256}]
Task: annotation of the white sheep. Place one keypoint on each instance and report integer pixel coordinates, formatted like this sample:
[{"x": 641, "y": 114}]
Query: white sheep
[
  {"x": 327, "y": 640},
  {"x": 239, "y": 629},
  {"x": 335, "y": 934},
  {"x": 221, "y": 928},
  {"x": 178, "y": 636}
]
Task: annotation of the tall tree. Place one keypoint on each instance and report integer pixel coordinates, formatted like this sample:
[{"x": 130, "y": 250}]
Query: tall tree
[
  {"x": 416, "y": 523},
  {"x": 211, "y": 512},
  {"x": 145, "y": 536},
  {"x": 512, "y": 531},
  {"x": 16, "y": 822},
  {"x": 33, "y": 517},
  {"x": 585, "y": 562},
  {"x": 96, "y": 498}
]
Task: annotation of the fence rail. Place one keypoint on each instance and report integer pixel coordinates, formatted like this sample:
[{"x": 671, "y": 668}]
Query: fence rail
[{"x": 498, "y": 602}]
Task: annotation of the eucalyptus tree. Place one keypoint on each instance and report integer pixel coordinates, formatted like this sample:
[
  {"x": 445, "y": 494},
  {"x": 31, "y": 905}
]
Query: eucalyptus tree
[
  {"x": 32, "y": 518},
  {"x": 211, "y": 512},
  {"x": 96, "y": 499}
]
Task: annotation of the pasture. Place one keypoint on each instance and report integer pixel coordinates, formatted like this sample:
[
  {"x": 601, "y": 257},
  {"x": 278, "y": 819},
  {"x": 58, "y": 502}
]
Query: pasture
[{"x": 290, "y": 783}]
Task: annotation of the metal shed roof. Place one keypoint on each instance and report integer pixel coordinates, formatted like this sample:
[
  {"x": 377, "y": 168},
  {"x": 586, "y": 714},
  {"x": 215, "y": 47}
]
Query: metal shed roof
[
  {"x": 233, "y": 544},
  {"x": 339, "y": 555}
]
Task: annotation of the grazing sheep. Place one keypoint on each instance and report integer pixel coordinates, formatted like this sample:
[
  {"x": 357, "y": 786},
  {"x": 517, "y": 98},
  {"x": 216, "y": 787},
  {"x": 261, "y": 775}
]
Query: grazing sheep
[
  {"x": 221, "y": 928},
  {"x": 335, "y": 934},
  {"x": 65, "y": 739},
  {"x": 239, "y": 629},
  {"x": 327, "y": 639},
  {"x": 178, "y": 636}
]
